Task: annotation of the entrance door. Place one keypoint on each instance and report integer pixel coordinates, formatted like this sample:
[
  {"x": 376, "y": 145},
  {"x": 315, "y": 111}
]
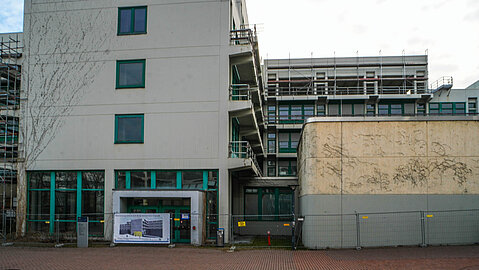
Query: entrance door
[{"x": 181, "y": 223}]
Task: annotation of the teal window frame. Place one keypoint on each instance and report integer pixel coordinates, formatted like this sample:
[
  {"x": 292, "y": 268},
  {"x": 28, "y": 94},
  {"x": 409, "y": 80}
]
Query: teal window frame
[
  {"x": 53, "y": 190},
  {"x": 472, "y": 105},
  {"x": 321, "y": 110},
  {"x": 290, "y": 148},
  {"x": 276, "y": 191},
  {"x": 271, "y": 168},
  {"x": 440, "y": 108},
  {"x": 132, "y": 21},
  {"x": 370, "y": 109},
  {"x": 132, "y": 61},
  {"x": 420, "y": 108},
  {"x": 118, "y": 116},
  {"x": 389, "y": 108},
  {"x": 290, "y": 172},
  {"x": 290, "y": 118},
  {"x": 271, "y": 143}
]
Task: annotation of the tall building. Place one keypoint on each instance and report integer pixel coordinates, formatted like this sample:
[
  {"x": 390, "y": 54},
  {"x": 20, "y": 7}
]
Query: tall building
[{"x": 166, "y": 107}]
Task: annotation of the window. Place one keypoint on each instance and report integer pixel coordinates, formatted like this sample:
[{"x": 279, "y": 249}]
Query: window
[
  {"x": 271, "y": 168},
  {"x": 166, "y": 179},
  {"x": 370, "y": 109},
  {"x": 271, "y": 114},
  {"x": 271, "y": 142},
  {"x": 472, "y": 104},
  {"x": 295, "y": 113},
  {"x": 421, "y": 108},
  {"x": 132, "y": 20},
  {"x": 391, "y": 109},
  {"x": 321, "y": 110},
  {"x": 268, "y": 203},
  {"x": 447, "y": 108},
  {"x": 287, "y": 168},
  {"x": 192, "y": 180},
  {"x": 140, "y": 180},
  {"x": 129, "y": 128},
  {"x": 56, "y": 199},
  {"x": 288, "y": 142},
  {"x": 130, "y": 74}
]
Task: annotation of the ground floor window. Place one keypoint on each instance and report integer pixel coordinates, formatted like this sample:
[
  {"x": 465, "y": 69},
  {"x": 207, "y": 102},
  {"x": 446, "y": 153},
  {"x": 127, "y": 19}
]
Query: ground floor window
[
  {"x": 287, "y": 167},
  {"x": 57, "y": 198},
  {"x": 265, "y": 203}
]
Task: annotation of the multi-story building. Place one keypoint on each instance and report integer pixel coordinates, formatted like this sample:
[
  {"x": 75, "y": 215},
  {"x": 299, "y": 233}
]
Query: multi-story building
[
  {"x": 165, "y": 107},
  {"x": 138, "y": 108}
]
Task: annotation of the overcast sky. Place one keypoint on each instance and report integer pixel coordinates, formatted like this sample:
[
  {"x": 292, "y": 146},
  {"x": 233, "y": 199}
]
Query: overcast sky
[{"x": 448, "y": 30}]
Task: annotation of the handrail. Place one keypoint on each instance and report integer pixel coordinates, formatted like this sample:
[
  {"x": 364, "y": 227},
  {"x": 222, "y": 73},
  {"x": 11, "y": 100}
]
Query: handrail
[
  {"x": 242, "y": 36},
  {"x": 240, "y": 92},
  {"x": 331, "y": 90},
  {"x": 445, "y": 81},
  {"x": 243, "y": 149}
]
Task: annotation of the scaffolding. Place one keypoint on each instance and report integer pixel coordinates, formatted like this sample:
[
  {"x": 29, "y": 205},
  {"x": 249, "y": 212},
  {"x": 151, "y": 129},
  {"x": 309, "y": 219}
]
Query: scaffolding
[{"x": 10, "y": 83}]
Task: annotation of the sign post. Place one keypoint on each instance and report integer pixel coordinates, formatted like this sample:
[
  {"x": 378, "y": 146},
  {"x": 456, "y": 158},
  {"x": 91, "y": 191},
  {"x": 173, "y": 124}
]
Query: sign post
[{"x": 82, "y": 232}]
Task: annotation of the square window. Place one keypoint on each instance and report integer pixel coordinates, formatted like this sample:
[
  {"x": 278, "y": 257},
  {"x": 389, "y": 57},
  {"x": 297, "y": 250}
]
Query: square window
[
  {"x": 129, "y": 128},
  {"x": 131, "y": 20},
  {"x": 130, "y": 74}
]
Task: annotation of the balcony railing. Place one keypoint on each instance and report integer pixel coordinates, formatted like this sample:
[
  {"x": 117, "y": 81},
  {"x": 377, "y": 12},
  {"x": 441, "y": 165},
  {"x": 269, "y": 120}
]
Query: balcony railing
[
  {"x": 443, "y": 82},
  {"x": 242, "y": 149},
  {"x": 242, "y": 36},
  {"x": 331, "y": 90},
  {"x": 240, "y": 92}
]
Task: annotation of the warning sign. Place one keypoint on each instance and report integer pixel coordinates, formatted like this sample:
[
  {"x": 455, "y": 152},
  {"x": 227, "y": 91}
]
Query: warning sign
[{"x": 242, "y": 224}]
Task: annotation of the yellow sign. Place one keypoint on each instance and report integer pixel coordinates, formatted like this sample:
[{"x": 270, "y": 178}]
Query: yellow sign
[
  {"x": 139, "y": 234},
  {"x": 177, "y": 219},
  {"x": 47, "y": 222},
  {"x": 102, "y": 221},
  {"x": 429, "y": 215},
  {"x": 365, "y": 217},
  {"x": 242, "y": 224},
  {"x": 286, "y": 225}
]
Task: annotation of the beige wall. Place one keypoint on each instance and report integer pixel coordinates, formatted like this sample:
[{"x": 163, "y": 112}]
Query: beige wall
[{"x": 389, "y": 157}]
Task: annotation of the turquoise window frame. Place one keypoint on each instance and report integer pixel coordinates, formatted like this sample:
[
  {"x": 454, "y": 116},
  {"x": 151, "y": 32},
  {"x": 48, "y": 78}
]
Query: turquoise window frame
[
  {"x": 290, "y": 168},
  {"x": 78, "y": 191},
  {"x": 389, "y": 104},
  {"x": 290, "y": 148},
  {"x": 439, "y": 110},
  {"x": 294, "y": 119},
  {"x": 132, "y": 61},
  {"x": 260, "y": 191},
  {"x": 132, "y": 21},
  {"x": 118, "y": 116}
]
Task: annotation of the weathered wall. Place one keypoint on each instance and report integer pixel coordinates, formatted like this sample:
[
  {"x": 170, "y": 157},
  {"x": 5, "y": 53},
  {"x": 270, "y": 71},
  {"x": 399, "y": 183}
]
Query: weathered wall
[
  {"x": 414, "y": 157},
  {"x": 414, "y": 181}
]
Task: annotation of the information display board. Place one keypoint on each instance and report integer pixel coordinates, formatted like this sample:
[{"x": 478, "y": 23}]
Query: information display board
[{"x": 142, "y": 228}]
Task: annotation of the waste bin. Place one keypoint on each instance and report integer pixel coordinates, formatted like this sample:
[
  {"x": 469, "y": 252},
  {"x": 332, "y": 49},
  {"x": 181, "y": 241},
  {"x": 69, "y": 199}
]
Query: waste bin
[{"x": 220, "y": 237}]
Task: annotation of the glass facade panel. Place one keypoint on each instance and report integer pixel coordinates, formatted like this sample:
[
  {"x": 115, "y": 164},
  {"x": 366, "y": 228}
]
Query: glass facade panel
[
  {"x": 39, "y": 180},
  {"x": 396, "y": 109},
  {"x": 93, "y": 180},
  {"x": 92, "y": 204},
  {"x": 165, "y": 179},
  {"x": 125, "y": 21},
  {"x": 141, "y": 180},
  {"x": 121, "y": 180},
  {"x": 65, "y": 205},
  {"x": 192, "y": 179},
  {"x": 213, "y": 180},
  {"x": 39, "y": 205},
  {"x": 38, "y": 226},
  {"x": 251, "y": 202},
  {"x": 383, "y": 109},
  {"x": 268, "y": 205},
  {"x": 140, "y": 20},
  {"x": 460, "y": 108},
  {"x": 285, "y": 203},
  {"x": 446, "y": 108},
  {"x": 65, "y": 180}
]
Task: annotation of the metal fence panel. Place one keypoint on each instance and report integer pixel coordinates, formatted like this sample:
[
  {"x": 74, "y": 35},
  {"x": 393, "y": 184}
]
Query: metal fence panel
[{"x": 452, "y": 227}]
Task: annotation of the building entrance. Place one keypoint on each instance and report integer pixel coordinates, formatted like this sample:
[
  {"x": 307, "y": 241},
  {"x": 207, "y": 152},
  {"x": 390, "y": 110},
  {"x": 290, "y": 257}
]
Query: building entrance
[{"x": 178, "y": 208}]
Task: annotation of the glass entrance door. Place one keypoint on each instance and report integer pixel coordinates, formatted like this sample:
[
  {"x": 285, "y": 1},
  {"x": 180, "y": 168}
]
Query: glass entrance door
[{"x": 181, "y": 223}]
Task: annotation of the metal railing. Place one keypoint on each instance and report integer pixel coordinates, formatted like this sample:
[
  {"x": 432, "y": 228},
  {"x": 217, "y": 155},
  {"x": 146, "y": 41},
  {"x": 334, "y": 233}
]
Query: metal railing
[
  {"x": 331, "y": 90},
  {"x": 242, "y": 149},
  {"x": 240, "y": 92},
  {"x": 443, "y": 82},
  {"x": 242, "y": 37}
]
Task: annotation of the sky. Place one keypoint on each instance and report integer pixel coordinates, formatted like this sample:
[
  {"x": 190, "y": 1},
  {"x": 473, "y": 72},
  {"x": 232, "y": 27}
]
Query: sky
[{"x": 446, "y": 30}]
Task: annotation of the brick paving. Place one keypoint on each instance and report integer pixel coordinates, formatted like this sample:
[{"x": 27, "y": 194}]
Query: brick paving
[{"x": 141, "y": 257}]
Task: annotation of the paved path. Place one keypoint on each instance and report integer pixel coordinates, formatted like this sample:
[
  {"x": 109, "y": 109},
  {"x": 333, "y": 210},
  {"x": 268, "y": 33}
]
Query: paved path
[{"x": 457, "y": 257}]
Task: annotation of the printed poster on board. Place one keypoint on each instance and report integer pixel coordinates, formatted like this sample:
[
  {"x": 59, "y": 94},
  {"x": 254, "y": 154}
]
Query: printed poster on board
[{"x": 142, "y": 228}]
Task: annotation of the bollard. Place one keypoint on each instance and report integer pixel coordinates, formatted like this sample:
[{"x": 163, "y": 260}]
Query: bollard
[{"x": 269, "y": 238}]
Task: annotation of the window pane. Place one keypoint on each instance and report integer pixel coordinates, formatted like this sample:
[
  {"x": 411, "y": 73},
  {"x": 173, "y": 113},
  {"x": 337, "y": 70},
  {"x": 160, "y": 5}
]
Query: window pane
[
  {"x": 294, "y": 140},
  {"x": 93, "y": 180},
  {"x": 285, "y": 203},
  {"x": 125, "y": 20},
  {"x": 65, "y": 180},
  {"x": 39, "y": 180},
  {"x": 140, "y": 20},
  {"x": 165, "y": 179},
  {"x": 283, "y": 139},
  {"x": 66, "y": 227},
  {"x": 308, "y": 110},
  {"x": 213, "y": 180},
  {"x": 65, "y": 205},
  {"x": 251, "y": 204},
  {"x": 192, "y": 180},
  {"x": 121, "y": 180},
  {"x": 383, "y": 109},
  {"x": 271, "y": 146},
  {"x": 129, "y": 129},
  {"x": 446, "y": 108},
  {"x": 131, "y": 74},
  {"x": 283, "y": 168},
  {"x": 141, "y": 180},
  {"x": 396, "y": 109},
  {"x": 460, "y": 108},
  {"x": 38, "y": 227},
  {"x": 92, "y": 204},
  {"x": 268, "y": 205},
  {"x": 39, "y": 205},
  {"x": 271, "y": 135}
]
